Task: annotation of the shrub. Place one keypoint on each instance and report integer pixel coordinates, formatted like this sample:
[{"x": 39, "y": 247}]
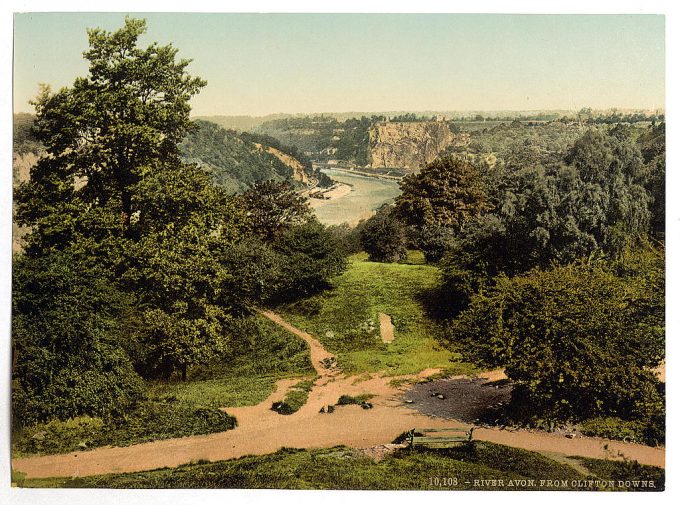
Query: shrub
[
  {"x": 578, "y": 341},
  {"x": 383, "y": 237},
  {"x": 295, "y": 398},
  {"x": 149, "y": 420},
  {"x": 68, "y": 326},
  {"x": 354, "y": 400}
]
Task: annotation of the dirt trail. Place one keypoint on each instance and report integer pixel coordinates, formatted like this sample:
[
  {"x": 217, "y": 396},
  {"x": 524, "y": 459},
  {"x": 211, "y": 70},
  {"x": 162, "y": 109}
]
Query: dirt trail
[
  {"x": 317, "y": 352},
  {"x": 262, "y": 431},
  {"x": 386, "y": 328}
]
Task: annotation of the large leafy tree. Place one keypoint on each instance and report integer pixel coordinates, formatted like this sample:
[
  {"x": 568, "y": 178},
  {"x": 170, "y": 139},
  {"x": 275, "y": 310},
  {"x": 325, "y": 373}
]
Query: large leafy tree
[
  {"x": 593, "y": 203},
  {"x": 448, "y": 192},
  {"x": 104, "y": 135},
  {"x": 112, "y": 191},
  {"x": 383, "y": 236},
  {"x": 272, "y": 207}
]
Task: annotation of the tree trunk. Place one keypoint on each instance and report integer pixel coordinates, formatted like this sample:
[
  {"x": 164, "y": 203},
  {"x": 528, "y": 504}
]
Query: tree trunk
[{"x": 183, "y": 369}]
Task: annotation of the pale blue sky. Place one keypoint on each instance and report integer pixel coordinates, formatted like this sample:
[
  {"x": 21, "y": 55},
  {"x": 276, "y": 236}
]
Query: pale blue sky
[{"x": 258, "y": 64}]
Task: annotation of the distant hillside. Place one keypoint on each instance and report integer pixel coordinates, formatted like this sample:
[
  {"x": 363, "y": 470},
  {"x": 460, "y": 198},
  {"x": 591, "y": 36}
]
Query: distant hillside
[
  {"x": 238, "y": 160},
  {"x": 240, "y": 123},
  {"x": 324, "y": 137}
]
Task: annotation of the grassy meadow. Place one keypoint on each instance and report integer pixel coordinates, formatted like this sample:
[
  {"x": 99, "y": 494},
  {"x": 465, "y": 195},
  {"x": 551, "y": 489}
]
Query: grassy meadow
[{"x": 345, "y": 318}]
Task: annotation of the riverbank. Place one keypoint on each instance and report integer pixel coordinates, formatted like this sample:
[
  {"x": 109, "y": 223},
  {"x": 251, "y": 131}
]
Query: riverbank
[
  {"x": 322, "y": 197},
  {"x": 356, "y": 197}
]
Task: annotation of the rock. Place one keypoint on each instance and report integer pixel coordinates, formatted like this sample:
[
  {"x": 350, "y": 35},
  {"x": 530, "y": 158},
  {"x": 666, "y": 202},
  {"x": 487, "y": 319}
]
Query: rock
[
  {"x": 571, "y": 435},
  {"x": 366, "y": 405},
  {"x": 408, "y": 401},
  {"x": 327, "y": 409},
  {"x": 410, "y": 144},
  {"x": 441, "y": 397}
]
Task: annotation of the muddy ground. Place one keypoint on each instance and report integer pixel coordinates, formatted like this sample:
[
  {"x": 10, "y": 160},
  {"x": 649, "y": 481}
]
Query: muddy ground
[{"x": 466, "y": 400}]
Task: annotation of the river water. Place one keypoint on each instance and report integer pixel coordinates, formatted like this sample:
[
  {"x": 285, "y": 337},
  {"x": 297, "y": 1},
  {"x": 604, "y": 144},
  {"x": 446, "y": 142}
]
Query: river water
[{"x": 368, "y": 193}]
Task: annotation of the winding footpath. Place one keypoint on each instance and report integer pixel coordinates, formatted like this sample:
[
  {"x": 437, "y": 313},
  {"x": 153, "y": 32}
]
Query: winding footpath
[{"x": 263, "y": 431}]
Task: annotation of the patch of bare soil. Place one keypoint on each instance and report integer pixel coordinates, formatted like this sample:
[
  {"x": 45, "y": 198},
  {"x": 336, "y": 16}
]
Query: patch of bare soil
[
  {"x": 386, "y": 328},
  {"x": 465, "y": 399},
  {"x": 378, "y": 452}
]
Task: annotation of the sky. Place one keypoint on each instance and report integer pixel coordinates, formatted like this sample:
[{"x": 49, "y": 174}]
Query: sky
[{"x": 257, "y": 64}]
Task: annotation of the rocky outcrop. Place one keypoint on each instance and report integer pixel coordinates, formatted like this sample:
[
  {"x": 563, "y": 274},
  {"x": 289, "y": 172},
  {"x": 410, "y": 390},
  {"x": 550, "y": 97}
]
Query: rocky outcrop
[
  {"x": 298, "y": 169},
  {"x": 410, "y": 145}
]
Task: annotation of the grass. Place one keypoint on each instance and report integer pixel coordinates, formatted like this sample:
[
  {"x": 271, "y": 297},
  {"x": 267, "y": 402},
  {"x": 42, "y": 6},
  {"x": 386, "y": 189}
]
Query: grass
[
  {"x": 354, "y": 400},
  {"x": 621, "y": 470},
  {"x": 295, "y": 398},
  {"x": 471, "y": 467},
  {"x": 345, "y": 319},
  {"x": 176, "y": 409},
  {"x": 149, "y": 420}
]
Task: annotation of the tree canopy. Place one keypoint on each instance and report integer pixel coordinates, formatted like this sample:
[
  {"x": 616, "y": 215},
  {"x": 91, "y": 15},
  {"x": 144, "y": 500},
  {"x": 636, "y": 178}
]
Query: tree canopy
[
  {"x": 580, "y": 340},
  {"x": 447, "y": 192},
  {"x": 112, "y": 192}
]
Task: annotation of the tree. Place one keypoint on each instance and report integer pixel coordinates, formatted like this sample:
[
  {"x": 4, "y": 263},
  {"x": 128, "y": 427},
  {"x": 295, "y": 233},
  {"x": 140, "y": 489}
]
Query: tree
[
  {"x": 105, "y": 134},
  {"x": 653, "y": 149},
  {"x": 383, "y": 236},
  {"x": 435, "y": 241},
  {"x": 579, "y": 341},
  {"x": 448, "y": 192},
  {"x": 272, "y": 207},
  {"x": 113, "y": 191},
  {"x": 69, "y": 330},
  {"x": 592, "y": 204},
  {"x": 309, "y": 257}
]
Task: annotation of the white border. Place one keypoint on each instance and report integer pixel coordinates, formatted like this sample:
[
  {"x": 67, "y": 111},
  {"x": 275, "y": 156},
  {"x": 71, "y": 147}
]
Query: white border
[{"x": 150, "y": 497}]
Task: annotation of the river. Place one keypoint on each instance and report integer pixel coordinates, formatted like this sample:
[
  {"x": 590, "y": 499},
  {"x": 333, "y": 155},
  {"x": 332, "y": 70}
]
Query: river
[{"x": 368, "y": 193}]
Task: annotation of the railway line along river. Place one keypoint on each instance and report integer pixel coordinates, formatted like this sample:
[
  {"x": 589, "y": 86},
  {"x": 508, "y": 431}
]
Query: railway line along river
[{"x": 367, "y": 195}]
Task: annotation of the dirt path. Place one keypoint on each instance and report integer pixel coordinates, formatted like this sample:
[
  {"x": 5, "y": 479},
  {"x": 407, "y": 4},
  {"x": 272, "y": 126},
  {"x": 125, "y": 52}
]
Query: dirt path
[
  {"x": 318, "y": 354},
  {"x": 386, "y": 328},
  {"x": 262, "y": 431}
]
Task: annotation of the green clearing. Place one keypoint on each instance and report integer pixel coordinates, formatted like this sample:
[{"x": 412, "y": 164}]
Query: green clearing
[
  {"x": 345, "y": 318},
  {"x": 178, "y": 409},
  {"x": 345, "y": 468}
]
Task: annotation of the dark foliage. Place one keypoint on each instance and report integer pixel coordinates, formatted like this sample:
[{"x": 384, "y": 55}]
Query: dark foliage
[
  {"x": 383, "y": 236},
  {"x": 580, "y": 341}
]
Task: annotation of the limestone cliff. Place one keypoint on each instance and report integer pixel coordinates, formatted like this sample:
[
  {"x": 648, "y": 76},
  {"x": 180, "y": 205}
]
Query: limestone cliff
[
  {"x": 409, "y": 145},
  {"x": 298, "y": 169}
]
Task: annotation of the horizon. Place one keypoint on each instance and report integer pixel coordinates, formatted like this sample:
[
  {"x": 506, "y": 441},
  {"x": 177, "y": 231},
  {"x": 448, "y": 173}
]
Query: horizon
[{"x": 265, "y": 64}]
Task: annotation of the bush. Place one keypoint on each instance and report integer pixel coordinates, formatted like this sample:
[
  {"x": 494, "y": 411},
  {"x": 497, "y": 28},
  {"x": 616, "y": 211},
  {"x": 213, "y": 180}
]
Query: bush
[
  {"x": 309, "y": 258},
  {"x": 295, "y": 399},
  {"x": 347, "y": 238},
  {"x": 59, "y": 436},
  {"x": 149, "y": 420},
  {"x": 578, "y": 341},
  {"x": 383, "y": 237},
  {"x": 614, "y": 428},
  {"x": 354, "y": 400},
  {"x": 434, "y": 241},
  {"x": 68, "y": 326}
]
